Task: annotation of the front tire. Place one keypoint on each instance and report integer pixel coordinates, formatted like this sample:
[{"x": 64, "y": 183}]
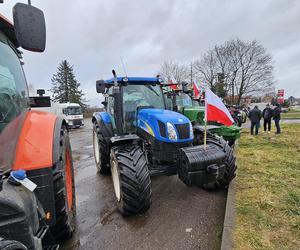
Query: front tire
[
  {"x": 64, "y": 191},
  {"x": 131, "y": 179},
  {"x": 101, "y": 149}
]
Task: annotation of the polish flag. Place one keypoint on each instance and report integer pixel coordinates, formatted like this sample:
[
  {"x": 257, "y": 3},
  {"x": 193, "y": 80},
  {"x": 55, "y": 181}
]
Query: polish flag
[
  {"x": 196, "y": 91},
  {"x": 216, "y": 110},
  {"x": 173, "y": 86}
]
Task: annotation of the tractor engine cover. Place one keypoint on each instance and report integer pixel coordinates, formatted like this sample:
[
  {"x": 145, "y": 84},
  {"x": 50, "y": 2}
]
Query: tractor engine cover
[{"x": 199, "y": 166}]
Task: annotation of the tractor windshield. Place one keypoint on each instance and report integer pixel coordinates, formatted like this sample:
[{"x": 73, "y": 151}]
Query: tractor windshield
[
  {"x": 185, "y": 100},
  {"x": 13, "y": 88},
  {"x": 138, "y": 96}
]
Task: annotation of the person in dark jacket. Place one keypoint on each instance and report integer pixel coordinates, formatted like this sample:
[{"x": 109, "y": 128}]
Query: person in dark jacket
[
  {"x": 255, "y": 116},
  {"x": 267, "y": 116},
  {"x": 276, "y": 118}
]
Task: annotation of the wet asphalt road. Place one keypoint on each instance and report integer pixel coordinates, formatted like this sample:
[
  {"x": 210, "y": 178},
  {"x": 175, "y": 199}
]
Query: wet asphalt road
[{"x": 179, "y": 218}]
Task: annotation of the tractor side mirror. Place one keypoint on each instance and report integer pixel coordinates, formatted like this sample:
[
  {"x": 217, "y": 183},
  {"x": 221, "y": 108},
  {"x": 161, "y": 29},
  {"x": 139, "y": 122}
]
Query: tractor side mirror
[
  {"x": 30, "y": 27},
  {"x": 100, "y": 86},
  {"x": 39, "y": 101}
]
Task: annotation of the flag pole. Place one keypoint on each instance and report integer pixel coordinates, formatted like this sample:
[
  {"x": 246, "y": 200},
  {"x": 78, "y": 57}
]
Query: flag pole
[{"x": 205, "y": 119}]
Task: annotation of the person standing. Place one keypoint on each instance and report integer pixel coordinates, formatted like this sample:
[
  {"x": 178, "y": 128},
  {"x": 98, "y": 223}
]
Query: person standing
[
  {"x": 277, "y": 117},
  {"x": 267, "y": 115},
  {"x": 255, "y": 116}
]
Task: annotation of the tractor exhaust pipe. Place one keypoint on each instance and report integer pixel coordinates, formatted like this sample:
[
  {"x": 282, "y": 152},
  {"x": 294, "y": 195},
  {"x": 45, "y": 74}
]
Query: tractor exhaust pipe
[{"x": 118, "y": 104}]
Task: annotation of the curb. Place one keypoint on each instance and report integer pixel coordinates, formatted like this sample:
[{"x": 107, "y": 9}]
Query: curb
[{"x": 227, "y": 241}]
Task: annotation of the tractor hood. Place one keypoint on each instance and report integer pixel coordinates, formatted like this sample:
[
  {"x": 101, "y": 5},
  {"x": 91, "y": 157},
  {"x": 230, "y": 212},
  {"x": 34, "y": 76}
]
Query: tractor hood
[
  {"x": 194, "y": 113},
  {"x": 159, "y": 123}
]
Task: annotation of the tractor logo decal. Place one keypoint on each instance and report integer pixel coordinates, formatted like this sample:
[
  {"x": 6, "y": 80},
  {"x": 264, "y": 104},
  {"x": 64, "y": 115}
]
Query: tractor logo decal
[{"x": 145, "y": 126}]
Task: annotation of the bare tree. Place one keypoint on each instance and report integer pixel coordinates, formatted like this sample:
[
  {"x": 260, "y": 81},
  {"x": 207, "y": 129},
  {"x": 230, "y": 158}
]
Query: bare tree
[
  {"x": 173, "y": 71},
  {"x": 246, "y": 68}
]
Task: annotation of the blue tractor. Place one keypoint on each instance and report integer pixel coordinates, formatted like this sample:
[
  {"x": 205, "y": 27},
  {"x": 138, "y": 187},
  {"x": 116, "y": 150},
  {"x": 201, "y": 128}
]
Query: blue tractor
[{"x": 137, "y": 137}]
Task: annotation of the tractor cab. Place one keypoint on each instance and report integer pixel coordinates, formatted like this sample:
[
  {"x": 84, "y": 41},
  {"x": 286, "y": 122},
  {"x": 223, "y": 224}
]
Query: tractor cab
[
  {"x": 137, "y": 93},
  {"x": 28, "y": 33},
  {"x": 142, "y": 109},
  {"x": 13, "y": 87}
]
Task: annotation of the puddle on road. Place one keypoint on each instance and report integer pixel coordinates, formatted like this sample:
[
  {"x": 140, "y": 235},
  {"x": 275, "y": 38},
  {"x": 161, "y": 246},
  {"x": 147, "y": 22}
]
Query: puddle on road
[
  {"x": 77, "y": 156},
  {"x": 81, "y": 198},
  {"x": 88, "y": 146},
  {"x": 86, "y": 172}
]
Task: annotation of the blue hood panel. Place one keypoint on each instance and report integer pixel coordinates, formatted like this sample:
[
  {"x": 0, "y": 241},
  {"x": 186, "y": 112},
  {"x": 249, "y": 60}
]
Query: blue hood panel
[{"x": 149, "y": 118}]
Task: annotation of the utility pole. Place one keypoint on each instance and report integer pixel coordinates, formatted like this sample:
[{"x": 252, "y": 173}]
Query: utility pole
[{"x": 191, "y": 72}]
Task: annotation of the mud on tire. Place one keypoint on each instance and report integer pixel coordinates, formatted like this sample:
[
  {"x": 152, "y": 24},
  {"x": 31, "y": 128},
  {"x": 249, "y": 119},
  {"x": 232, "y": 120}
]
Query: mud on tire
[
  {"x": 64, "y": 191},
  {"x": 134, "y": 179},
  {"x": 101, "y": 149},
  {"x": 230, "y": 160}
]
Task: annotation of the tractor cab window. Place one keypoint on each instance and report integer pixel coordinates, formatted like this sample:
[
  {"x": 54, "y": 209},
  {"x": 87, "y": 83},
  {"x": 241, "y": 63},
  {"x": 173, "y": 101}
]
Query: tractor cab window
[
  {"x": 13, "y": 88},
  {"x": 139, "y": 96},
  {"x": 183, "y": 100},
  {"x": 13, "y": 102},
  {"x": 110, "y": 106},
  {"x": 196, "y": 103}
]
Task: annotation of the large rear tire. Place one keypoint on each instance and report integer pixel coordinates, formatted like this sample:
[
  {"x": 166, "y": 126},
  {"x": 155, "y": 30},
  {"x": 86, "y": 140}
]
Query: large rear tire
[
  {"x": 64, "y": 191},
  {"x": 230, "y": 160},
  {"x": 131, "y": 179},
  {"x": 11, "y": 245},
  {"x": 101, "y": 149}
]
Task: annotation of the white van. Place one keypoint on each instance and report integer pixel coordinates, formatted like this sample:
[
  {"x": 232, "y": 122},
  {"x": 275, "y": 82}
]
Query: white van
[{"x": 71, "y": 112}]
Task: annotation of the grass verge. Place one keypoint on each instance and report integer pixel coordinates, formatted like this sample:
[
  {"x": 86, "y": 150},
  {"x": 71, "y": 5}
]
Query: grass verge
[
  {"x": 268, "y": 190},
  {"x": 292, "y": 114}
]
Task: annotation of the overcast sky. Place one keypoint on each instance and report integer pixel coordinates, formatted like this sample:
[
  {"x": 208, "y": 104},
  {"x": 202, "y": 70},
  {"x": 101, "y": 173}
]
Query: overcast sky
[{"x": 92, "y": 35}]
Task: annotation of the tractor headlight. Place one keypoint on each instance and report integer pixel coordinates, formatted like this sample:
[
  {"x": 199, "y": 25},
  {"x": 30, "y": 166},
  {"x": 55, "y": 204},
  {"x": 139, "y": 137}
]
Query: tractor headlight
[
  {"x": 191, "y": 131},
  {"x": 171, "y": 132}
]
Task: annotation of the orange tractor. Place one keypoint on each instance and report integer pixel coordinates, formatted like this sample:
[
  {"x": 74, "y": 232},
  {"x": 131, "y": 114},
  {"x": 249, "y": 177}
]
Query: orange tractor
[{"x": 37, "y": 195}]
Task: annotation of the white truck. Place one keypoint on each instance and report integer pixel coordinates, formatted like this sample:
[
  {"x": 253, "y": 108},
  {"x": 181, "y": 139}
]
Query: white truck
[{"x": 71, "y": 112}]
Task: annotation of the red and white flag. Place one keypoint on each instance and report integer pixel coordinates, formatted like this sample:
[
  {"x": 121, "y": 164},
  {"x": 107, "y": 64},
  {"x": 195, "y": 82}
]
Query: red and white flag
[
  {"x": 196, "y": 91},
  {"x": 173, "y": 86},
  {"x": 215, "y": 110}
]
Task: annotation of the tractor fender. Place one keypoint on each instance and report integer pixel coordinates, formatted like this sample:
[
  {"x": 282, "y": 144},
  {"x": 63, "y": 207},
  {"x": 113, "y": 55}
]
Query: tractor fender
[
  {"x": 105, "y": 122},
  {"x": 38, "y": 153},
  {"x": 35, "y": 143}
]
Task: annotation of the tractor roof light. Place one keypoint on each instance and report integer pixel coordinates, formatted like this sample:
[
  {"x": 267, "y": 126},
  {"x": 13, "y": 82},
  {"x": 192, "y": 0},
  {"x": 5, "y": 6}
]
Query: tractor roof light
[{"x": 191, "y": 131}]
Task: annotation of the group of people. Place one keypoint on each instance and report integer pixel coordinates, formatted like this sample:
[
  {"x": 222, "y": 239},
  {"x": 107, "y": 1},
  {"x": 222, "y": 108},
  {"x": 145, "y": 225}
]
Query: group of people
[{"x": 267, "y": 114}]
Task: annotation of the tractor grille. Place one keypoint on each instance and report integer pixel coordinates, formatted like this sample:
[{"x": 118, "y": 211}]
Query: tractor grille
[
  {"x": 183, "y": 130},
  {"x": 162, "y": 129}
]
